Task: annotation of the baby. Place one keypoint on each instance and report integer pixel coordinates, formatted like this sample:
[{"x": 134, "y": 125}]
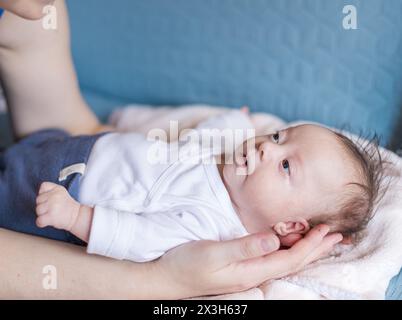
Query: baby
[{"x": 135, "y": 209}]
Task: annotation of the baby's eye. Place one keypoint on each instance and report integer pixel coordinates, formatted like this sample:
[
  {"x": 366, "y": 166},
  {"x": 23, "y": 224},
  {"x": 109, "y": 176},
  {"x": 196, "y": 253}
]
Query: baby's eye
[
  {"x": 275, "y": 137},
  {"x": 286, "y": 166}
]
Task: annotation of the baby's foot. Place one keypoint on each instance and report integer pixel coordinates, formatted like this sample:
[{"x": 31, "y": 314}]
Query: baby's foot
[
  {"x": 245, "y": 110},
  {"x": 55, "y": 207}
]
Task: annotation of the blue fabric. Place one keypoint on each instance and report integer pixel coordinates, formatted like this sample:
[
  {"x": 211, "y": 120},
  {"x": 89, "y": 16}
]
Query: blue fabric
[
  {"x": 1, "y": 12},
  {"x": 25, "y": 165},
  {"x": 394, "y": 291},
  {"x": 290, "y": 58}
]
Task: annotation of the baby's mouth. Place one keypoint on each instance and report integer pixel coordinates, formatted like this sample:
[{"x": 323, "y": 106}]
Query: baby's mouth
[
  {"x": 241, "y": 160},
  {"x": 241, "y": 164},
  {"x": 249, "y": 161},
  {"x": 245, "y": 160}
]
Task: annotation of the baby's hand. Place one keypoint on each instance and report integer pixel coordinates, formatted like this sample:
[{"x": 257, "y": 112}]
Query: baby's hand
[
  {"x": 55, "y": 207},
  {"x": 245, "y": 110}
]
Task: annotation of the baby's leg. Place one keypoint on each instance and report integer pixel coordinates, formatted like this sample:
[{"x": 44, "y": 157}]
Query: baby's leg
[{"x": 39, "y": 79}]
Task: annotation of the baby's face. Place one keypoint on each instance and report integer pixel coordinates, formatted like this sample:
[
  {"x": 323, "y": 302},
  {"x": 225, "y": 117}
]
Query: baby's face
[{"x": 293, "y": 175}]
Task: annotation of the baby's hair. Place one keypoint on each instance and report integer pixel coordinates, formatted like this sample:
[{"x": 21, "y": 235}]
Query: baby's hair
[{"x": 355, "y": 206}]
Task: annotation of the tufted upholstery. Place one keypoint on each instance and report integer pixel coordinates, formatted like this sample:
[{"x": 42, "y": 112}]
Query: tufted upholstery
[{"x": 289, "y": 57}]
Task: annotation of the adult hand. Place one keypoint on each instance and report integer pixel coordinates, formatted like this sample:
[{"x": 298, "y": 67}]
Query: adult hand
[{"x": 208, "y": 267}]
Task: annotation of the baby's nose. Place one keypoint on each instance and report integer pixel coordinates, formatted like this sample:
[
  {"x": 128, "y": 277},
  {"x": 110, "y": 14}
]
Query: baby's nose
[
  {"x": 266, "y": 150},
  {"x": 263, "y": 150}
]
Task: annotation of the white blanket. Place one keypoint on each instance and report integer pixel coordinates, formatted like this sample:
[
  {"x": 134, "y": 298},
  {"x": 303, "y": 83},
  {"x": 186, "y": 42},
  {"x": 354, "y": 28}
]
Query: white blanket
[{"x": 356, "y": 272}]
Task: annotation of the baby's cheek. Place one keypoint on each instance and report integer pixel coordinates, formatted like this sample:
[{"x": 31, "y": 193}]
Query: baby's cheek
[{"x": 278, "y": 206}]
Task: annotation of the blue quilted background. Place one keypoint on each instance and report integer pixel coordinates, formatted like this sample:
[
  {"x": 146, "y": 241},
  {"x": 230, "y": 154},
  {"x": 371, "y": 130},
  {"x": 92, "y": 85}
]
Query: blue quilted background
[{"x": 288, "y": 57}]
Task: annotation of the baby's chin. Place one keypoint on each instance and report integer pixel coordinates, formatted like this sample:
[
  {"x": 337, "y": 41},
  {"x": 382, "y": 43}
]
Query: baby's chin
[{"x": 233, "y": 175}]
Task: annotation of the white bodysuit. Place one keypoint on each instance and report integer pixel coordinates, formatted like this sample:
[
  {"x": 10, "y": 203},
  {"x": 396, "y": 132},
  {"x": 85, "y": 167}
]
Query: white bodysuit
[{"x": 143, "y": 208}]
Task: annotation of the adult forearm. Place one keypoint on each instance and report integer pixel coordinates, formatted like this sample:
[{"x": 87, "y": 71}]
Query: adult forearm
[{"x": 25, "y": 258}]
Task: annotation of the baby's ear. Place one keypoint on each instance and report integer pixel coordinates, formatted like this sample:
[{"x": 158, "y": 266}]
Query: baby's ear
[{"x": 297, "y": 225}]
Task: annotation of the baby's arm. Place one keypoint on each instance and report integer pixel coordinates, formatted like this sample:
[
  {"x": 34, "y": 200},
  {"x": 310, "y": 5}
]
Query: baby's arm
[
  {"x": 55, "y": 207},
  {"x": 119, "y": 234},
  {"x": 146, "y": 236}
]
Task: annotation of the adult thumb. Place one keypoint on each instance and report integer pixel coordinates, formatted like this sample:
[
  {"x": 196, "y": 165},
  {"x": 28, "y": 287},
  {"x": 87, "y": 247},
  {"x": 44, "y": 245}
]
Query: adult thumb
[{"x": 249, "y": 247}]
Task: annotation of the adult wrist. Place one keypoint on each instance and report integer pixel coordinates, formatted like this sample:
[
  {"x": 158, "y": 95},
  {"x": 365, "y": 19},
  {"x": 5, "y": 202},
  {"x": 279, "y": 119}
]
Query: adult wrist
[{"x": 149, "y": 281}]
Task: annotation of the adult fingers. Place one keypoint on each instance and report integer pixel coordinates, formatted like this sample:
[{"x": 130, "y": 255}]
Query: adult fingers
[
  {"x": 284, "y": 262},
  {"x": 310, "y": 241},
  {"x": 249, "y": 247},
  {"x": 324, "y": 248},
  {"x": 271, "y": 266},
  {"x": 290, "y": 239}
]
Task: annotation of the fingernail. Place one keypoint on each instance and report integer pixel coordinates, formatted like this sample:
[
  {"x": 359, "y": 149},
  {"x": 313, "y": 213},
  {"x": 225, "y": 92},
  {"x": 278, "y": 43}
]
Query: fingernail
[
  {"x": 323, "y": 229},
  {"x": 339, "y": 238},
  {"x": 267, "y": 244}
]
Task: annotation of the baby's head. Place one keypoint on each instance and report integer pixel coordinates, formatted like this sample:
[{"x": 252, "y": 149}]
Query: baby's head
[{"x": 302, "y": 176}]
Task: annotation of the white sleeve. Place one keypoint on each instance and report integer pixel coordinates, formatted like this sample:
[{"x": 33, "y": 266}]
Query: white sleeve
[{"x": 144, "y": 237}]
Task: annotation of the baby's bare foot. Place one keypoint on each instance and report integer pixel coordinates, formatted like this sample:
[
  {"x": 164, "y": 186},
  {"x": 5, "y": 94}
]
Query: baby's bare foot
[{"x": 245, "y": 110}]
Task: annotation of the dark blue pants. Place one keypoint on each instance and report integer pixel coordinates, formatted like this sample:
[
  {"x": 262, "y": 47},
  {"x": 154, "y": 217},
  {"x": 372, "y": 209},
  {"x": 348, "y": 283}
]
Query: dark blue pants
[{"x": 25, "y": 165}]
